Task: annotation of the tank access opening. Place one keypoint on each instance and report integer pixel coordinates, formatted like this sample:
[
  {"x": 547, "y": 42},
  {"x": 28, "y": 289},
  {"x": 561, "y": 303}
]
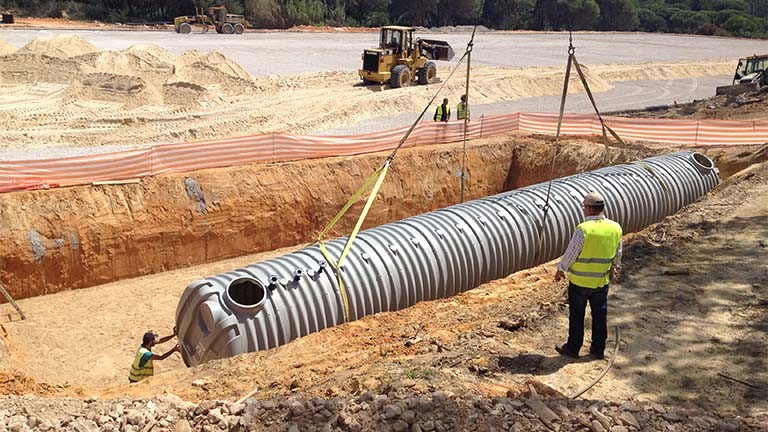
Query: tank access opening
[
  {"x": 702, "y": 163},
  {"x": 247, "y": 293}
]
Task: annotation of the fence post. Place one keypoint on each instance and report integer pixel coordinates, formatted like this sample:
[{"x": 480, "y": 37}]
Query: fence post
[
  {"x": 696, "y": 137},
  {"x": 11, "y": 301},
  {"x": 482, "y": 118}
]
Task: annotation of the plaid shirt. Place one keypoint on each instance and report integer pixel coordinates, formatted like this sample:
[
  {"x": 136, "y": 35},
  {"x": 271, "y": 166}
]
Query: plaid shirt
[{"x": 575, "y": 246}]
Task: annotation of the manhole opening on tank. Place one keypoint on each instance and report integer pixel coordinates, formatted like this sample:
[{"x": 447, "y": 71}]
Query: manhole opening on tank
[
  {"x": 702, "y": 161},
  {"x": 247, "y": 293}
]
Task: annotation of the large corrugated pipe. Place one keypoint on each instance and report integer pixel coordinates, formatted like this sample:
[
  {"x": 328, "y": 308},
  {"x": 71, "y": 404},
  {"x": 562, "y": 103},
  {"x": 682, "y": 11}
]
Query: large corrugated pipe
[{"x": 426, "y": 257}]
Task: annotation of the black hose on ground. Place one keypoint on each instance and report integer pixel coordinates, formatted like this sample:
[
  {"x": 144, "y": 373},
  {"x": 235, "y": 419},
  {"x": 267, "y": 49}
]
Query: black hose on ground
[{"x": 605, "y": 371}]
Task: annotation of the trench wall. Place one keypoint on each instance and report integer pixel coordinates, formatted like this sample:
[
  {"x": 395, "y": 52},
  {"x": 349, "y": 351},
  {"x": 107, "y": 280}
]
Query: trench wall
[{"x": 68, "y": 238}]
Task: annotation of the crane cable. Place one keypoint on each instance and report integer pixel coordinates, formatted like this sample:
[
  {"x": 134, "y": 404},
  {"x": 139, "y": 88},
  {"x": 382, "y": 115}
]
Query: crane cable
[
  {"x": 470, "y": 45},
  {"x": 376, "y": 179},
  {"x": 572, "y": 61}
]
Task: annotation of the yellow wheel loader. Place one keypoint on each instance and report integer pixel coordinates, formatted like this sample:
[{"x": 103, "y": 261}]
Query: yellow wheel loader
[
  {"x": 751, "y": 74},
  {"x": 400, "y": 59},
  {"x": 216, "y": 17}
]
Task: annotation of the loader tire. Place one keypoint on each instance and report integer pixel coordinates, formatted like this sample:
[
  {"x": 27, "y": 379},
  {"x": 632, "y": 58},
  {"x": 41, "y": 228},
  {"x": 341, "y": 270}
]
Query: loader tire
[
  {"x": 401, "y": 77},
  {"x": 239, "y": 28},
  {"x": 227, "y": 28},
  {"x": 427, "y": 74},
  {"x": 185, "y": 28}
]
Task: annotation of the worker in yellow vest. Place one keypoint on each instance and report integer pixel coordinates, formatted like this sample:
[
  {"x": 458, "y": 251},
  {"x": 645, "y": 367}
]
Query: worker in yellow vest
[
  {"x": 592, "y": 257},
  {"x": 462, "y": 109},
  {"x": 142, "y": 366},
  {"x": 443, "y": 112}
]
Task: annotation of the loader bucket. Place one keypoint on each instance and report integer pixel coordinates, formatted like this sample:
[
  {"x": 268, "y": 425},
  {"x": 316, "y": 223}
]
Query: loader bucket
[{"x": 436, "y": 49}]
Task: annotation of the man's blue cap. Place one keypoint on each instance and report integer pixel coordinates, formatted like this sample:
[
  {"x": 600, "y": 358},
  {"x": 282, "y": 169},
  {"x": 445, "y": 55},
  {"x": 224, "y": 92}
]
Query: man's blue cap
[{"x": 149, "y": 337}]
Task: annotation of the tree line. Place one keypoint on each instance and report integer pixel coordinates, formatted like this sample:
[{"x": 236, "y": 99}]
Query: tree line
[{"x": 747, "y": 18}]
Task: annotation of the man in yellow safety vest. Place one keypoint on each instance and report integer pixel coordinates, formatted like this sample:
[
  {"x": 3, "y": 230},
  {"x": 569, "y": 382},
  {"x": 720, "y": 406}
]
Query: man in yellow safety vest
[
  {"x": 593, "y": 254},
  {"x": 142, "y": 363},
  {"x": 443, "y": 112},
  {"x": 462, "y": 109}
]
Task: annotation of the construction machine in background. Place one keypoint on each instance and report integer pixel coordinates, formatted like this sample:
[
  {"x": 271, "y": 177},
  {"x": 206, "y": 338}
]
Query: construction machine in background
[
  {"x": 751, "y": 75},
  {"x": 400, "y": 59},
  {"x": 216, "y": 17}
]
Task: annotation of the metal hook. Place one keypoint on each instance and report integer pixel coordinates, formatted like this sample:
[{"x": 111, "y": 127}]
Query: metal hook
[{"x": 571, "y": 48}]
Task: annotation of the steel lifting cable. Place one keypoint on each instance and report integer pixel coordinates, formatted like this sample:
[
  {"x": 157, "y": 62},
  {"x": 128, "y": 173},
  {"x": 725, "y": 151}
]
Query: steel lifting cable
[
  {"x": 571, "y": 54},
  {"x": 572, "y": 61},
  {"x": 377, "y": 177},
  {"x": 466, "y": 114},
  {"x": 468, "y": 53}
]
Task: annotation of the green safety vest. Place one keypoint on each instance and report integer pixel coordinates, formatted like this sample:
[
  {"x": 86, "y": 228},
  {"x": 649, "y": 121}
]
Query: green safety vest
[
  {"x": 139, "y": 373},
  {"x": 593, "y": 266},
  {"x": 462, "y": 111},
  {"x": 439, "y": 113}
]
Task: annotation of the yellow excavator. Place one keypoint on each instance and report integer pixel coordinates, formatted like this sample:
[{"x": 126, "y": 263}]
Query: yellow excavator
[
  {"x": 400, "y": 59},
  {"x": 216, "y": 17}
]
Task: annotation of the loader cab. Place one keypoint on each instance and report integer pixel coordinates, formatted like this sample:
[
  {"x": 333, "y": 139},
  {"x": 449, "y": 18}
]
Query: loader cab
[
  {"x": 749, "y": 66},
  {"x": 396, "y": 38}
]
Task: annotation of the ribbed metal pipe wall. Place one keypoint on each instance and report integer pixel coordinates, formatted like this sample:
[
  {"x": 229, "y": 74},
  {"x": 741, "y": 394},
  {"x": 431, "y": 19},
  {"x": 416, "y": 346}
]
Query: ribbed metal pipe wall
[{"x": 426, "y": 257}]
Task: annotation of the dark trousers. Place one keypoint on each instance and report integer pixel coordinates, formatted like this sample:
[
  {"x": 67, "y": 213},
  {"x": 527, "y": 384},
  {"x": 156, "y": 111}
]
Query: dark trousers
[{"x": 577, "y": 305}]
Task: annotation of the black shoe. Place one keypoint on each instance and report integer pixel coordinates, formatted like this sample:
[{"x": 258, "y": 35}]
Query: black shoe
[
  {"x": 596, "y": 355},
  {"x": 563, "y": 351}
]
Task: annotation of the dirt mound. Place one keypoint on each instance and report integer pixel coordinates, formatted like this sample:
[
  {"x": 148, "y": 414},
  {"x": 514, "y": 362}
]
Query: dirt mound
[
  {"x": 6, "y": 48},
  {"x": 136, "y": 63},
  {"x": 17, "y": 383},
  {"x": 26, "y": 68},
  {"x": 663, "y": 71},
  {"x": 61, "y": 46},
  {"x": 131, "y": 91},
  {"x": 214, "y": 71},
  {"x": 153, "y": 55},
  {"x": 140, "y": 75}
]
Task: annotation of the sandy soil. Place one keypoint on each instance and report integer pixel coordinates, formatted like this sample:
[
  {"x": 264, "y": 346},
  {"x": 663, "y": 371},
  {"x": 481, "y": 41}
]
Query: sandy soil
[{"x": 63, "y": 91}]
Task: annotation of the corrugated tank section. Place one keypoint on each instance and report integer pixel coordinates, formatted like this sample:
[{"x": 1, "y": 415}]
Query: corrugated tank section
[{"x": 426, "y": 257}]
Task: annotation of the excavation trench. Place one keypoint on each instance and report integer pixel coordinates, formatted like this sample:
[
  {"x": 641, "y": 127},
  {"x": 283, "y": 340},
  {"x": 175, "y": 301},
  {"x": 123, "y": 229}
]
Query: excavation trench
[{"x": 69, "y": 238}]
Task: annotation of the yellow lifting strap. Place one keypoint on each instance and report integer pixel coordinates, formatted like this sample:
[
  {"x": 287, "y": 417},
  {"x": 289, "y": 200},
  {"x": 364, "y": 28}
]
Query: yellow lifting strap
[{"x": 377, "y": 177}]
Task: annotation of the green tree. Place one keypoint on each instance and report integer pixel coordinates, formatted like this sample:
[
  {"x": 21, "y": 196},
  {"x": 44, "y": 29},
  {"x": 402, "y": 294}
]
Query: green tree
[
  {"x": 453, "y": 12},
  {"x": 651, "y": 22},
  {"x": 414, "y": 12},
  {"x": 566, "y": 14},
  {"x": 369, "y": 12},
  {"x": 740, "y": 5},
  {"x": 264, "y": 13},
  {"x": 303, "y": 12},
  {"x": 742, "y": 25},
  {"x": 508, "y": 14},
  {"x": 687, "y": 21},
  {"x": 617, "y": 15},
  {"x": 758, "y": 8}
]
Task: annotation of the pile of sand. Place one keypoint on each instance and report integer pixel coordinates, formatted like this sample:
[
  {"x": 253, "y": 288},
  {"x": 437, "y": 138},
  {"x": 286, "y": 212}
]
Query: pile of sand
[
  {"x": 213, "y": 70},
  {"x": 61, "y": 46},
  {"x": 139, "y": 75},
  {"x": 6, "y": 48},
  {"x": 26, "y": 68}
]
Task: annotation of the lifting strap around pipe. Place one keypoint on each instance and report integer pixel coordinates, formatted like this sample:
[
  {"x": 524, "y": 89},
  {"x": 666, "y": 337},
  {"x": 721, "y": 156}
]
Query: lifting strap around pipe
[{"x": 379, "y": 176}]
